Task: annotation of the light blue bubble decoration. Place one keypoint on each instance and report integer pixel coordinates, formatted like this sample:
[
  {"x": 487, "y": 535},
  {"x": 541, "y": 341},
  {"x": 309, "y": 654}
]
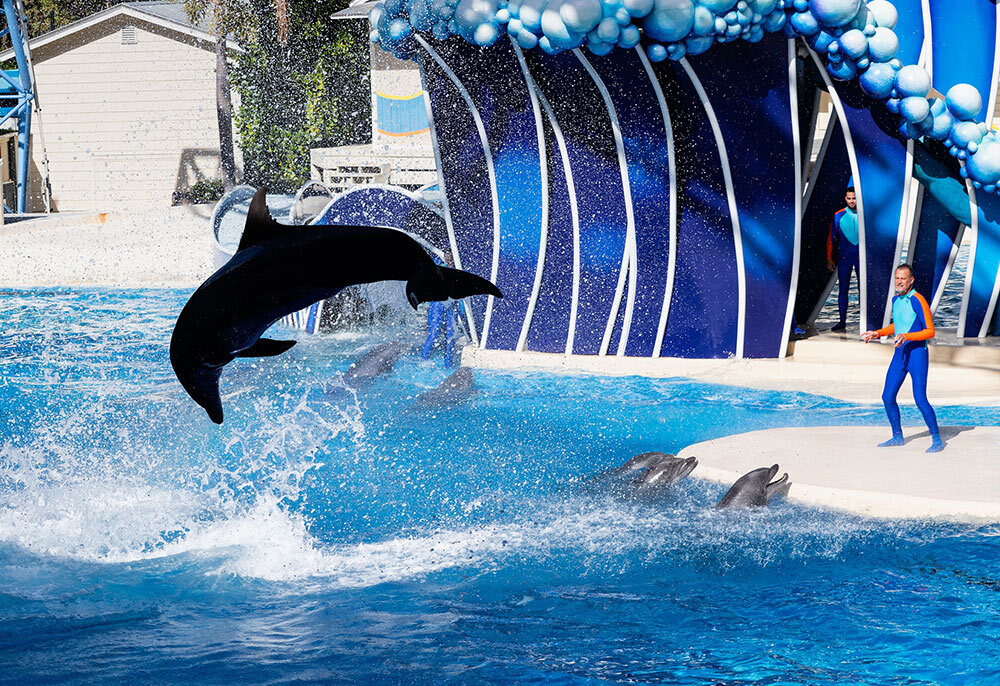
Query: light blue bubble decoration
[
  {"x": 834, "y": 12},
  {"x": 855, "y": 37},
  {"x": 670, "y": 20},
  {"x": 964, "y": 101},
  {"x": 884, "y": 13},
  {"x": 913, "y": 80}
]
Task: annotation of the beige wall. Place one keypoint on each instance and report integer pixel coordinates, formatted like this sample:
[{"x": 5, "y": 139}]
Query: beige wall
[{"x": 125, "y": 125}]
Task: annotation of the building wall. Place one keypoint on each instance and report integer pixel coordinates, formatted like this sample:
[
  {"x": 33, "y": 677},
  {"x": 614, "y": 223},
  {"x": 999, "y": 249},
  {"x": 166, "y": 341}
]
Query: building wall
[{"x": 125, "y": 125}]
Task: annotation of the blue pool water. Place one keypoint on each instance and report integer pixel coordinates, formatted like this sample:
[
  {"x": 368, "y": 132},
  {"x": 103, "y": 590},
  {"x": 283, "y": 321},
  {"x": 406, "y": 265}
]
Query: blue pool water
[{"x": 325, "y": 535}]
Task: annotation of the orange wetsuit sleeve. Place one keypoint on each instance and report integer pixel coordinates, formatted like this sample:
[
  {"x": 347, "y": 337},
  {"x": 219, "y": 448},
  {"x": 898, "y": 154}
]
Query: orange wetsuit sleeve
[
  {"x": 887, "y": 331},
  {"x": 928, "y": 332}
]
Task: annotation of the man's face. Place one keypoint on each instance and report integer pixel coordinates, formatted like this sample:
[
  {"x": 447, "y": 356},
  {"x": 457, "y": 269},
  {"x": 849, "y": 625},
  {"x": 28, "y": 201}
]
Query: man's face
[
  {"x": 851, "y": 200},
  {"x": 903, "y": 281}
]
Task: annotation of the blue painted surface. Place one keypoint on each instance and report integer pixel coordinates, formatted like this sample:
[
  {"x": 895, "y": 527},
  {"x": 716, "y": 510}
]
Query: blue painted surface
[
  {"x": 390, "y": 208},
  {"x": 549, "y": 330},
  {"x": 463, "y": 165},
  {"x": 763, "y": 175},
  {"x": 325, "y": 536},
  {"x": 985, "y": 266},
  {"x": 586, "y": 126},
  {"x": 704, "y": 305},
  {"x": 644, "y": 136}
]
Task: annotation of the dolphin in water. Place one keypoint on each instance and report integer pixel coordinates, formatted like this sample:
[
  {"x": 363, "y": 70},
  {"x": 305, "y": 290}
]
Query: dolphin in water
[
  {"x": 657, "y": 469},
  {"x": 753, "y": 489},
  {"x": 280, "y": 269},
  {"x": 667, "y": 471},
  {"x": 457, "y": 386},
  {"x": 377, "y": 361}
]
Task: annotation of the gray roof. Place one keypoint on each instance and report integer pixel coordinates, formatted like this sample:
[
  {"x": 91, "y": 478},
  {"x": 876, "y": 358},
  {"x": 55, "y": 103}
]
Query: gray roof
[
  {"x": 171, "y": 11},
  {"x": 168, "y": 14}
]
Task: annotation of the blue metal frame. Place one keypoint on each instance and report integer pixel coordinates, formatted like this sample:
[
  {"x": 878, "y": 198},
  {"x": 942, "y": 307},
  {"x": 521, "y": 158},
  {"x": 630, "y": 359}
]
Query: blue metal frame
[{"x": 18, "y": 85}]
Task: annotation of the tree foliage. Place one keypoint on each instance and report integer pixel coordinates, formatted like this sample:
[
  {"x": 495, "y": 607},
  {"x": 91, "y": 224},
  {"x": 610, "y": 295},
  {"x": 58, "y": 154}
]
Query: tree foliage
[{"x": 312, "y": 91}]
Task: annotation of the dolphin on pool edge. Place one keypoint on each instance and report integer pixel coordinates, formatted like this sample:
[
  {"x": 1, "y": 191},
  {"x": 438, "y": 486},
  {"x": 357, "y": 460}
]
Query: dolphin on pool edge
[
  {"x": 753, "y": 489},
  {"x": 280, "y": 269}
]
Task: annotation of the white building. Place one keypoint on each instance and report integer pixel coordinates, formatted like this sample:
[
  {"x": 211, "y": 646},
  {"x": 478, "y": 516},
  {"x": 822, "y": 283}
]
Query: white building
[{"x": 128, "y": 108}]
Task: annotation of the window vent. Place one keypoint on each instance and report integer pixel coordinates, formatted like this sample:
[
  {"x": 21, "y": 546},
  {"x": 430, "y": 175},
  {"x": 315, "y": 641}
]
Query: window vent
[{"x": 129, "y": 36}]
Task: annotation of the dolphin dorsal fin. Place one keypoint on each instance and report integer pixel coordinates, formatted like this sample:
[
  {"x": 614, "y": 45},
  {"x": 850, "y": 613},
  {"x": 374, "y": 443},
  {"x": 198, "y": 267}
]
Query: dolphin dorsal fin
[{"x": 260, "y": 224}]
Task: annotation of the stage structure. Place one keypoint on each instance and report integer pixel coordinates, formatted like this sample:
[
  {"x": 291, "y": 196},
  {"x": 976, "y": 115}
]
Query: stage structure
[{"x": 635, "y": 189}]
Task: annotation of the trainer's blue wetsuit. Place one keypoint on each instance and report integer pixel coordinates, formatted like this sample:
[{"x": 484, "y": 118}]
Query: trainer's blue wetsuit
[
  {"x": 911, "y": 317},
  {"x": 844, "y": 232},
  {"x": 439, "y": 313}
]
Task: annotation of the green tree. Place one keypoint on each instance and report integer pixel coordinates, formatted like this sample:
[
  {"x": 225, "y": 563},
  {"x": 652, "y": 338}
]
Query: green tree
[{"x": 310, "y": 90}]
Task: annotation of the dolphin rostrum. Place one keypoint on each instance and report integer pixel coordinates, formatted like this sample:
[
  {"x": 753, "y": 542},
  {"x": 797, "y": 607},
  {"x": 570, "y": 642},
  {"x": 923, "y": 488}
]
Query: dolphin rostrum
[
  {"x": 280, "y": 269},
  {"x": 667, "y": 471},
  {"x": 753, "y": 489}
]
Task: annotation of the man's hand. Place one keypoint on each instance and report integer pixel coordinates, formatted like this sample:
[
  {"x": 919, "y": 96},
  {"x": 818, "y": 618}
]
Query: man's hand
[
  {"x": 830, "y": 266},
  {"x": 900, "y": 339},
  {"x": 869, "y": 336}
]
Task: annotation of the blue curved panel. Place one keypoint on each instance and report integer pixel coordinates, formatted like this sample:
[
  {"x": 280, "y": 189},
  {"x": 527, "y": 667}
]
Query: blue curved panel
[
  {"x": 390, "y": 207},
  {"x": 550, "y": 323},
  {"x": 959, "y": 55},
  {"x": 980, "y": 305},
  {"x": 586, "y": 126},
  {"x": 505, "y": 109},
  {"x": 705, "y": 302},
  {"x": 463, "y": 165},
  {"x": 763, "y": 175},
  {"x": 644, "y": 135}
]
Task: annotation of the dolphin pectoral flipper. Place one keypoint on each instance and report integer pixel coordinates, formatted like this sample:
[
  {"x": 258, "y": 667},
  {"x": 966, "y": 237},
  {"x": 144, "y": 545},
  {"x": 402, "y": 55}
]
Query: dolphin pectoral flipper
[{"x": 266, "y": 347}]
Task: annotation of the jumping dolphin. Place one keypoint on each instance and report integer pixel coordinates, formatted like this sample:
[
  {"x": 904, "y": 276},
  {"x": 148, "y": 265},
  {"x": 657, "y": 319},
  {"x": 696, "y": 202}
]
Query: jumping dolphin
[
  {"x": 280, "y": 269},
  {"x": 456, "y": 387},
  {"x": 753, "y": 489},
  {"x": 667, "y": 471},
  {"x": 377, "y": 361}
]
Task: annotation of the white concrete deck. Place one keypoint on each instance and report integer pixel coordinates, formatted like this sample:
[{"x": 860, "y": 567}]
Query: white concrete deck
[
  {"x": 167, "y": 248},
  {"x": 841, "y": 468},
  {"x": 836, "y": 367}
]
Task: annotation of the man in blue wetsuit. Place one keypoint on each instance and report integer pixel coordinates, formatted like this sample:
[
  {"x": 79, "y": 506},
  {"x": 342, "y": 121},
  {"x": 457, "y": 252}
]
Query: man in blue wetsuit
[
  {"x": 438, "y": 314},
  {"x": 844, "y": 233},
  {"x": 912, "y": 326}
]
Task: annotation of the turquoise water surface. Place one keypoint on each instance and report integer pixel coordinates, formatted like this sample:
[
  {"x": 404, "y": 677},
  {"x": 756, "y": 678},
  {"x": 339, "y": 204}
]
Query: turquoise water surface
[{"x": 325, "y": 534}]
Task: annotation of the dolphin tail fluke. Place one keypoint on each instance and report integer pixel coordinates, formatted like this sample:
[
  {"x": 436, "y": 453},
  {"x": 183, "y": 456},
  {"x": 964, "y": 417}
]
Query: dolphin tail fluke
[
  {"x": 266, "y": 347},
  {"x": 440, "y": 283},
  {"x": 463, "y": 284}
]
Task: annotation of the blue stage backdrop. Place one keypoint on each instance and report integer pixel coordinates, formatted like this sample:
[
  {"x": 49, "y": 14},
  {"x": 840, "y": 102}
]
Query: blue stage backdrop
[{"x": 632, "y": 205}]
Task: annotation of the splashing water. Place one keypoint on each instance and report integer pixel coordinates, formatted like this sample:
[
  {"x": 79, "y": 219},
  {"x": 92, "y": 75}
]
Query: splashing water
[{"x": 331, "y": 534}]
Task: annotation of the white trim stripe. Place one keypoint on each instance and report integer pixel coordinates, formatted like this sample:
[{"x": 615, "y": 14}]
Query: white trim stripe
[
  {"x": 629, "y": 256},
  {"x": 452, "y": 240},
  {"x": 731, "y": 195},
  {"x": 544, "y": 171},
  {"x": 793, "y": 96},
  {"x": 970, "y": 267},
  {"x": 484, "y": 141},
  {"x": 573, "y": 211},
  {"x": 668, "y": 130}
]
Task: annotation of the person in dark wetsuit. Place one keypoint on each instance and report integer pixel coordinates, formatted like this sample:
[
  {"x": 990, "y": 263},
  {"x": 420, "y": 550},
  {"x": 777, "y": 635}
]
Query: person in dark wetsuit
[
  {"x": 844, "y": 233},
  {"x": 912, "y": 326}
]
